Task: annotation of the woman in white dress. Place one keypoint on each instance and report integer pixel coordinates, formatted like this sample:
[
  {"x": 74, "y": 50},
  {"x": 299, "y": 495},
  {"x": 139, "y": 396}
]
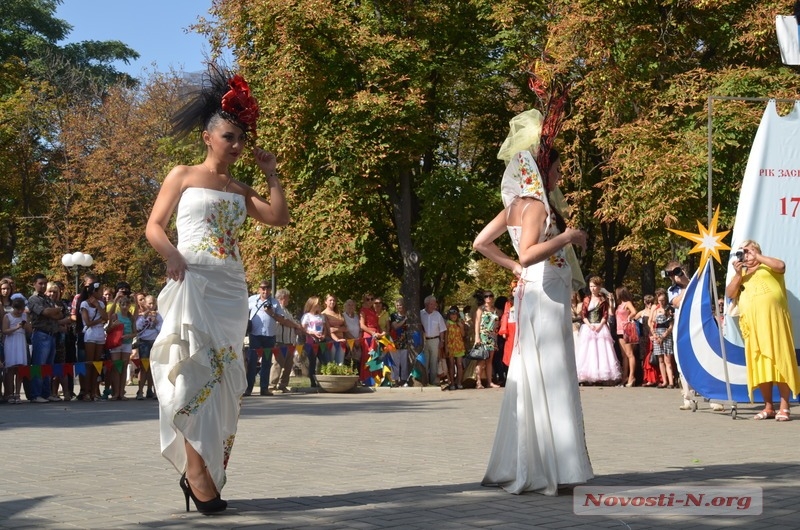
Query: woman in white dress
[
  {"x": 196, "y": 360},
  {"x": 539, "y": 445}
]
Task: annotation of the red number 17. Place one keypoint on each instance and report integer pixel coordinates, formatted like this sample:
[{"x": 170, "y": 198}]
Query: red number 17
[{"x": 795, "y": 200}]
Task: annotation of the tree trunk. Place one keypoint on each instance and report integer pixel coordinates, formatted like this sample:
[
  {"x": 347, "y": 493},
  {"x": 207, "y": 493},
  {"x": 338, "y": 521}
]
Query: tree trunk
[
  {"x": 649, "y": 277},
  {"x": 402, "y": 198}
]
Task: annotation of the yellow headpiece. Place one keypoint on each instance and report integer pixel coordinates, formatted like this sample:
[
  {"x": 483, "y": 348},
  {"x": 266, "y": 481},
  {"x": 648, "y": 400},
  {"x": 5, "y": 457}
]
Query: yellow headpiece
[{"x": 523, "y": 135}]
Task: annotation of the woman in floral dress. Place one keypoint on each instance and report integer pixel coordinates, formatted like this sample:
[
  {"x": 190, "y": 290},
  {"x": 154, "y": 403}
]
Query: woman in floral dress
[
  {"x": 487, "y": 322},
  {"x": 197, "y": 358}
]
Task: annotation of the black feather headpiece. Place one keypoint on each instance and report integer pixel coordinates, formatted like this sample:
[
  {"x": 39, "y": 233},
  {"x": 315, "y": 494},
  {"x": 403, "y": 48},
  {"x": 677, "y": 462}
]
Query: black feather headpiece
[{"x": 220, "y": 93}]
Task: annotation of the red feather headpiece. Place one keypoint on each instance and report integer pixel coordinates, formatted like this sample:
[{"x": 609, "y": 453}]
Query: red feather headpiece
[
  {"x": 553, "y": 99},
  {"x": 240, "y": 104}
]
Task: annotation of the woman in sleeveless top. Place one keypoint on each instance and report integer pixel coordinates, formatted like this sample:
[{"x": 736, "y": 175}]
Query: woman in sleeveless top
[
  {"x": 650, "y": 375},
  {"x": 625, "y": 312},
  {"x": 662, "y": 319},
  {"x": 540, "y": 443}
]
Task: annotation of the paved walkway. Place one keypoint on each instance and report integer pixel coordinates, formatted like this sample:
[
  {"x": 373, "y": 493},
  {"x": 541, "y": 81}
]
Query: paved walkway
[{"x": 391, "y": 458}]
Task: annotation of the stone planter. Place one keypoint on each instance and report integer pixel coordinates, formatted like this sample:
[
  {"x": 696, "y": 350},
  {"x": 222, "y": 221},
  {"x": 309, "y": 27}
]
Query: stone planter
[{"x": 337, "y": 383}]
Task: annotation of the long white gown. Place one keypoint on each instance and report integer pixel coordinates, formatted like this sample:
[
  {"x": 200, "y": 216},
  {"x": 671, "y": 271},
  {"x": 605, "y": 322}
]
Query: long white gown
[
  {"x": 197, "y": 360},
  {"x": 540, "y": 442}
]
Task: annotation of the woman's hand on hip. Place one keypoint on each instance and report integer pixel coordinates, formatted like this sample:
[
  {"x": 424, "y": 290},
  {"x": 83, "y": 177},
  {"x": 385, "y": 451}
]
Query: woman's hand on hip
[{"x": 176, "y": 267}]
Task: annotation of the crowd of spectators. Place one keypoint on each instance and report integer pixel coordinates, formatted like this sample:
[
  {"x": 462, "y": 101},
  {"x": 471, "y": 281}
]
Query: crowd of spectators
[
  {"x": 96, "y": 344},
  {"x": 323, "y": 333},
  {"x": 609, "y": 354},
  {"x": 60, "y": 349},
  {"x": 55, "y": 345}
]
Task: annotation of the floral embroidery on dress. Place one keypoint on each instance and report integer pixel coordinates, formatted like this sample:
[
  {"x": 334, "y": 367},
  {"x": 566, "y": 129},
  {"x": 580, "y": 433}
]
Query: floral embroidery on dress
[
  {"x": 218, "y": 360},
  {"x": 219, "y": 240},
  {"x": 227, "y": 447},
  {"x": 530, "y": 179}
]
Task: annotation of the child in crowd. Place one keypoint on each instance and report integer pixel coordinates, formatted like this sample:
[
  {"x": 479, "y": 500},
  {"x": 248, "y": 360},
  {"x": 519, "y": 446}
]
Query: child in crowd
[
  {"x": 15, "y": 346},
  {"x": 118, "y": 375},
  {"x": 148, "y": 324},
  {"x": 454, "y": 348}
]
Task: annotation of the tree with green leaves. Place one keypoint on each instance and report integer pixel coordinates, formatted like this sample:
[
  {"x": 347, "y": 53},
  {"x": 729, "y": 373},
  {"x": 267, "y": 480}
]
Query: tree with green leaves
[
  {"x": 40, "y": 81},
  {"x": 385, "y": 113},
  {"x": 642, "y": 73}
]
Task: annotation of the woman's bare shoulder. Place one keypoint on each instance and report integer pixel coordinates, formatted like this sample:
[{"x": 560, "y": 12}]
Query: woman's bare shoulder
[
  {"x": 180, "y": 177},
  {"x": 523, "y": 206}
]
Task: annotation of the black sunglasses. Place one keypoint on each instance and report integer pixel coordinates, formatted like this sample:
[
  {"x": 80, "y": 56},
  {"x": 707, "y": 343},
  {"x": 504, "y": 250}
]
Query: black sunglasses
[{"x": 675, "y": 272}]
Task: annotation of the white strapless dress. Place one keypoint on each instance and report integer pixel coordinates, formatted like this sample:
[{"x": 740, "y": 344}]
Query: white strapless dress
[{"x": 197, "y": 360}]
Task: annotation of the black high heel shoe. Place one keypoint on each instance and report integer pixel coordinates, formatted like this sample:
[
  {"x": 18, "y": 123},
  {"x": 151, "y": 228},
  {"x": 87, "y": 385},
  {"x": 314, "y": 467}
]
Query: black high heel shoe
[{"x": 213, "y": 506}]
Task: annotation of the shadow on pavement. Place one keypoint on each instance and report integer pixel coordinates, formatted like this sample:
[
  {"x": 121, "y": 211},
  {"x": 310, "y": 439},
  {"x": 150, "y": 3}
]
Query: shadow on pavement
[{"x": 467, "y": 505}]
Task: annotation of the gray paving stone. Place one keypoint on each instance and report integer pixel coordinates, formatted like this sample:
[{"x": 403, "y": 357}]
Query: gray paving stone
[{"x": 392, "y": 458}]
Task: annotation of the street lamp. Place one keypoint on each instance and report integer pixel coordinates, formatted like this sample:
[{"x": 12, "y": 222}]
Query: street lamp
[{"x": 77, "y": 260}]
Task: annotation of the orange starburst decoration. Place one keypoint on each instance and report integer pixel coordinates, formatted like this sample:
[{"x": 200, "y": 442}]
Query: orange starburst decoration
[{"x": 708, "y": 241}]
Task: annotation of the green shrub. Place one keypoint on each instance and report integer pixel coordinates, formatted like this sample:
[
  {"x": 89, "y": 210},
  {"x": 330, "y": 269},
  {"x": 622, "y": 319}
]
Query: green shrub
[{"x": 337, "y": 369}]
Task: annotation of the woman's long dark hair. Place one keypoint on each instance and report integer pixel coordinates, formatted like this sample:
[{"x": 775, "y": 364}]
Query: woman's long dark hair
[{"x": 88, "y": 290}]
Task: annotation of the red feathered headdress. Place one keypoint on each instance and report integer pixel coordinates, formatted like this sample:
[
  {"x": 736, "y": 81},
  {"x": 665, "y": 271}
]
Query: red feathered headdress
[
  {"x": 240, "y": 104},
  {"x": 553, "y": 99}
]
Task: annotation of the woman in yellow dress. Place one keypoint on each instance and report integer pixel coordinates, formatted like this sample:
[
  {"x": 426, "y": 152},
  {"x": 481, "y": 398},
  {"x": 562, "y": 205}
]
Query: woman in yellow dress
[{"x": 766, "y": 327}]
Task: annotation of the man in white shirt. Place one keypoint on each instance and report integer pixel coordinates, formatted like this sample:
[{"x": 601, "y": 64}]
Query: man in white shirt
[
  {"x": 263, "y": 309},
  {"x": 434, "y": 329},
  {"x": 679, "y": 281}
]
